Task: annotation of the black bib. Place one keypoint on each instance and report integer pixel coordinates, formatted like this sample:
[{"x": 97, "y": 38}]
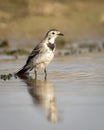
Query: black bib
[{"x": 51, "y": 46}]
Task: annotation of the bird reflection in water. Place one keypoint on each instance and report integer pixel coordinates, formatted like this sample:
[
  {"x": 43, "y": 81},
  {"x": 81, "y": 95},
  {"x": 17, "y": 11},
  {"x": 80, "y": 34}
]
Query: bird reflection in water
[{"x": 42, "y": 93}]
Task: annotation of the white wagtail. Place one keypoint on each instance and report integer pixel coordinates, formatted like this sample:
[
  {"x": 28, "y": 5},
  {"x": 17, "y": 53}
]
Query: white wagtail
[{"x": 42, "y": 54}]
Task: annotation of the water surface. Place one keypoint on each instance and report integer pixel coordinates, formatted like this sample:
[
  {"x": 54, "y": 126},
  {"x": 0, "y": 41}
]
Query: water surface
[{"x": 72, "y": 97}]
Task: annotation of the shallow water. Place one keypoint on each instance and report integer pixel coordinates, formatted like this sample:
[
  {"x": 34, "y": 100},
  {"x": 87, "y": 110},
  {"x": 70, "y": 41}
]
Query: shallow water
[{"x": 72, "y": 97}]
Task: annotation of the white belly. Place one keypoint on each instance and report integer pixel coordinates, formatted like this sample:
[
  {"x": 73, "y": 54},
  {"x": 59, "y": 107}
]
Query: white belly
[{"x": 42, "y": 60}]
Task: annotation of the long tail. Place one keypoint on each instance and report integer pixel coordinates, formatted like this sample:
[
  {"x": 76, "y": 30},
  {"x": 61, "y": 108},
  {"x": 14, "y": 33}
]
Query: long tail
[{"x": 24, "y": 70}]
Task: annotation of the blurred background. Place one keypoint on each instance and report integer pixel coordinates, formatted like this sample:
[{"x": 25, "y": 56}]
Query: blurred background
[
  {"x": 25, "y": 22},
  {"x": 73, "y": 94}
]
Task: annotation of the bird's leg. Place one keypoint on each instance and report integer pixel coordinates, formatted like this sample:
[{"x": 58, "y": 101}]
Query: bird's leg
[
  {"x": 45, "y": 71},
  {"x": 35, "y": 71}
]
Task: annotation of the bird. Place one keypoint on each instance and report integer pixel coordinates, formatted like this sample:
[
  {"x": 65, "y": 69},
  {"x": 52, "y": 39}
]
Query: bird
[{"x": 42, "y": 54}]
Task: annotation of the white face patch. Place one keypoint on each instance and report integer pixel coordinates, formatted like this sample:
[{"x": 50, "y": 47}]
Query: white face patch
[{"x": 52, "y": 40}]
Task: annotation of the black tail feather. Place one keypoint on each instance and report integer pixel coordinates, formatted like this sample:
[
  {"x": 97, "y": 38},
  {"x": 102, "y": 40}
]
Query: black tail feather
[{"x": 23, "y": 71}]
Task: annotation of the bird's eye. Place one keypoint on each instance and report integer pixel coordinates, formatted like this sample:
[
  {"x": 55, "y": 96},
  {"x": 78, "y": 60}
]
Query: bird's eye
[{"x": 53, "y": 33}]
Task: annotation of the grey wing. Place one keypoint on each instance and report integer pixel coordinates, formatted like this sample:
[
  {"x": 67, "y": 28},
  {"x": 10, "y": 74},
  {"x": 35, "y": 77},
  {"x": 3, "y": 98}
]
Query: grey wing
[{"x": 32, "y": 55}]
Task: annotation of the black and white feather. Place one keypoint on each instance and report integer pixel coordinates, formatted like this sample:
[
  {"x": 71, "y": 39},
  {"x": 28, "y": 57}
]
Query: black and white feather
[{"x": 42, "y": 54}]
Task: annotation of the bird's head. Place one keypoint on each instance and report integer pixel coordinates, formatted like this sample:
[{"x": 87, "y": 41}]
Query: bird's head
[{"x": 52, "y": 35}]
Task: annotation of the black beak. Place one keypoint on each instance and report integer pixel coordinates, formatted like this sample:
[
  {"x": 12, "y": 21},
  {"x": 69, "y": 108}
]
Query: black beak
[{"x": 60, "y": 34}]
